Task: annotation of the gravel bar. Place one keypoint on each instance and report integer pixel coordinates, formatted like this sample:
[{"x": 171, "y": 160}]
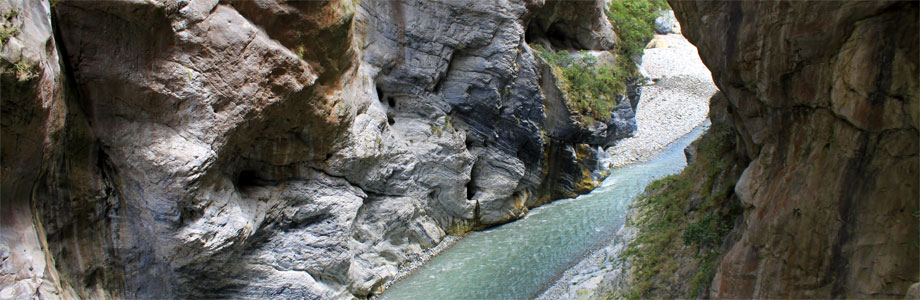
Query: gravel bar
[{"x": 675, "y": 101}]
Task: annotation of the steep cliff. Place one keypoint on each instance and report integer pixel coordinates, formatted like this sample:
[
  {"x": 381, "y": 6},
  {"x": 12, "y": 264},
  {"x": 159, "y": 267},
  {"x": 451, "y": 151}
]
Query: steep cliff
[
  {"x": 823, "y": 102},
  {"x": 252, "y": 149},
  {"x": 33, "y": 114}
]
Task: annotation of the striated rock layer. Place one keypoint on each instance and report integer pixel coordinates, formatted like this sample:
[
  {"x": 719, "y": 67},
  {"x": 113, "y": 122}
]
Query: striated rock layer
[
  {"x": 824, "y": 98},
  {"x": 271, "y": 149}
]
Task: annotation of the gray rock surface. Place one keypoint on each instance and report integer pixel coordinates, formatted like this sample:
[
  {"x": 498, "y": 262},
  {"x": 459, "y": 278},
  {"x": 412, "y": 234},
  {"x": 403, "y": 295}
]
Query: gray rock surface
[
  {"x": 33, "y": 114},
  {"x": 263, "y": 149},
  {"x": 913, "y": 292},
  {"x": 561, "y": 24},
  {"x": 666, "y": 23}
]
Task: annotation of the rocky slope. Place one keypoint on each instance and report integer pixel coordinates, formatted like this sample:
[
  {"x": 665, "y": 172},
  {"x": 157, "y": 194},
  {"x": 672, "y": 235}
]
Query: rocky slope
[
  {"x": 823, "y": 98},
  {"x": 263, "y": 149}
]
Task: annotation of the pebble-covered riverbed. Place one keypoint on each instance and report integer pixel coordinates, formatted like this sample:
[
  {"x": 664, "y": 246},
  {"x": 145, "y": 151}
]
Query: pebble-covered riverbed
[{"x": 675, "y": 101}]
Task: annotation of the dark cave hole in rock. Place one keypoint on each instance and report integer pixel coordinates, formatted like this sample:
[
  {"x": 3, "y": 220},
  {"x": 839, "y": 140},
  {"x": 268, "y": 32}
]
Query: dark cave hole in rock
[
  {"x": 470, "y": 141},
  {"x": 188, "y": 214},
  {"x": 102, "y": 159},
  {"x": 94, "y": 277},
  {"x": 533, "y": 33},
  {"x": 521, "y": 153},
  {"x": 470, "y": 188},
  {"x": 292, "y": 225},
  {"x": 379, "y": 94},
  {"x": 558, "y": 38},
  {"x": 391, "y": 102},
  {"x": 248, "y": 178},
  {"x": 553, "y": 36},
  {"x": 390, "y": 120}
]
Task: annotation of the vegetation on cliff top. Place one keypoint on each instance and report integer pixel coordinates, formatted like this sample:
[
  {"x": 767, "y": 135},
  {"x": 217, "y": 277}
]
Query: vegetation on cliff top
[
  {"x": 591, "y": 89},
  {"x": 634, "y": 23},
  {"x": 7, "y": 28},
  {"x": 682, "y": 221}
]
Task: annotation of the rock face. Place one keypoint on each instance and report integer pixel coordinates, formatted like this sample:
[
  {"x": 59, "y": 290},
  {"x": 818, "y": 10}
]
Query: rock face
[
  {"x": 34, "y": 114},
  {"x": 666, "y": 23},
  {"x": 263, "y": 149},
  {"x": 567, "y": 25},
  {"x": 824, "y": 97}
]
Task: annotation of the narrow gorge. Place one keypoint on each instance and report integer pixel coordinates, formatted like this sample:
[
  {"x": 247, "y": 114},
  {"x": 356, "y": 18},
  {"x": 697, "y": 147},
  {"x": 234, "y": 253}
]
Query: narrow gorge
[{"x": 271, "y": 149}]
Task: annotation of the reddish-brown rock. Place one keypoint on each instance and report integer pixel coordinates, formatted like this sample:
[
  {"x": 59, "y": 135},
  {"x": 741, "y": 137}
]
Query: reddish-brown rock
[{"x": 824, "y": 96}]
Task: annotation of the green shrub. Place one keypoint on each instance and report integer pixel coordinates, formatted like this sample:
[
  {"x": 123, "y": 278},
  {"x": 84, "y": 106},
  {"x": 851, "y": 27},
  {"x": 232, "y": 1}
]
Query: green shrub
[
  {"x": 591, "y": 90},
  {"x": 706, "y": 233},
  {"x": 671, "y": 233},
  {"x": 916, "y": 214},
  {"x": 6, "y": 34},
  {"x": 634, "y": 23},
  {"x": 7, "y": 29},
  {"x": 704, "y": 275},
  {"x": 435, "y": 130},
  {"x": 24, "y": 70}
]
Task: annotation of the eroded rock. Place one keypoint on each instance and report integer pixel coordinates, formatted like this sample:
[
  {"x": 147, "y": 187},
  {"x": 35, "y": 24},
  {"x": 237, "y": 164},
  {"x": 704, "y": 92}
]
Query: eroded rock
[
  {"x": 266, "y": 149},
  {"x": 827, "y": 110}
]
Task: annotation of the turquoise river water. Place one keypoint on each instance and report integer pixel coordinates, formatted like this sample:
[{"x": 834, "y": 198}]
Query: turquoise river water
[{"x": 521, "y": 259}]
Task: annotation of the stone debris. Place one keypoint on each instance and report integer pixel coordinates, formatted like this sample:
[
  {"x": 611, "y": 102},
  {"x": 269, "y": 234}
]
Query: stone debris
[{"x": 423, "y": 258}]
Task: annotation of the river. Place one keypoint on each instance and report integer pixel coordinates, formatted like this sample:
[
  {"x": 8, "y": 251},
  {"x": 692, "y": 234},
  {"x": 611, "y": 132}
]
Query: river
[{"x": 521, "y": 259}]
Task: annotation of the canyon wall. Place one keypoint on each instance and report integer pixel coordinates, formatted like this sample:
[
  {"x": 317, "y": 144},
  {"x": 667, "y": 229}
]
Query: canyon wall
[
  {"x": 823, "y": 97},
  {"x": 271, "y": 149}
]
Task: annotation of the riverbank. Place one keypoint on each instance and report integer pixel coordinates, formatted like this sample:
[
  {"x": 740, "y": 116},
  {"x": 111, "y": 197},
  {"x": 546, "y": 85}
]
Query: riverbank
[
  {"x": 522, "y": 258},
  {"x": 588, "y": 278},
  {"x": 422, "y": 259},
  {"x": 676, "y": 102},
  {"x": 602, "y": 272}
]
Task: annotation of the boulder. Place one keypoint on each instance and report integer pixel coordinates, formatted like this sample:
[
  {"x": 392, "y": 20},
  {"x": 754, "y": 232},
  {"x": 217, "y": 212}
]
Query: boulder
[{"x": 666, "y": 23}]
